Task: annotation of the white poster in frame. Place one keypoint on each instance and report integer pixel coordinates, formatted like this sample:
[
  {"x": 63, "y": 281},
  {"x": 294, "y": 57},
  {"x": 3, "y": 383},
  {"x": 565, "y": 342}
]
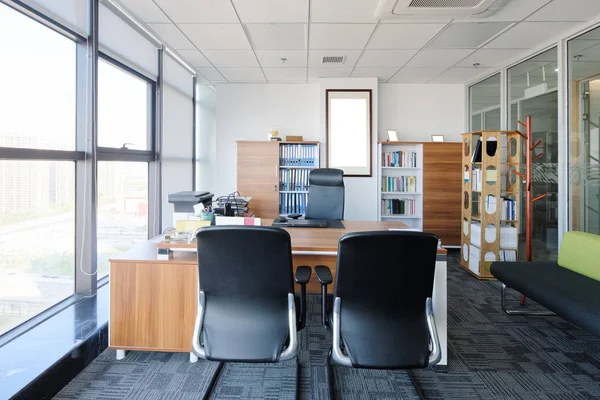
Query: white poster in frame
[{"x": 349, "y": 131}]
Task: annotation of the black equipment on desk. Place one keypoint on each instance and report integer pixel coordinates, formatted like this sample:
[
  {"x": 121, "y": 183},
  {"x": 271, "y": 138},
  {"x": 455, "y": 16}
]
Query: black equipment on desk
[{"x": 307, "y": 223}]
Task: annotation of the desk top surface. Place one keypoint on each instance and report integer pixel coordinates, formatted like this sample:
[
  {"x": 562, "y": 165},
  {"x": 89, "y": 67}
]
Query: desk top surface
[{"x": 303, "y": 239}]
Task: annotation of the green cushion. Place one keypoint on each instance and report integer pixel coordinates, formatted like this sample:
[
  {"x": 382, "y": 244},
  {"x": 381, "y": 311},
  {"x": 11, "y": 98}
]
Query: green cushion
[{"x": 580, "y": 252}]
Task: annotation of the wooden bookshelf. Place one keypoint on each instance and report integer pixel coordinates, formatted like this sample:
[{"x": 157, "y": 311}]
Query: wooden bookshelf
[{"x": 485, "y": 186}]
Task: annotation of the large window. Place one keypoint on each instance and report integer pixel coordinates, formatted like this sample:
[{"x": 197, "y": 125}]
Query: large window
[
  {"x": 584, "y": 133},
  {"x": 125, "y": 149},
  {"x": 124, "y": 115},
  {"x": 484, "y": 99},
  {"x": 37, "y": 198},
  {"x": 122, "y": 208},
  {"x": 532, "y": 88}
]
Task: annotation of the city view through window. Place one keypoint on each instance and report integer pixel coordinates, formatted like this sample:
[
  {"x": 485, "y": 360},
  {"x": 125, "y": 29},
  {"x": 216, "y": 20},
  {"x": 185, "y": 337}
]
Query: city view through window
[{"x": 37, "y": 198}]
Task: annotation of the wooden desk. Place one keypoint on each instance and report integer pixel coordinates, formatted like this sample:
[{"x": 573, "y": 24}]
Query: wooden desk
[{"x": 153, "y": 303}]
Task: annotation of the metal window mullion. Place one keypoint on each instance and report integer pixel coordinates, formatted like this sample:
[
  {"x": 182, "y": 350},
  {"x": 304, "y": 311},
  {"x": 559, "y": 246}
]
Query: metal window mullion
[
  {"x": 155, "y": 166},
  {"x": 12, "y": 153},
  {"x": 503, "y": 99},
  {"x": 86, "y": 173},
  {"x": 564, "y": 129},
  {"x": 195, "y": 116}
]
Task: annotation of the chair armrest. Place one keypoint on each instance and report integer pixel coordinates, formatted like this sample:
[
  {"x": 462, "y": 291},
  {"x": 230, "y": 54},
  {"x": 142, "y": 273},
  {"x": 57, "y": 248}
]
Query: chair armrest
[
  {"x": 303, "y": 273},
  {"x": 323, "y": 274}
]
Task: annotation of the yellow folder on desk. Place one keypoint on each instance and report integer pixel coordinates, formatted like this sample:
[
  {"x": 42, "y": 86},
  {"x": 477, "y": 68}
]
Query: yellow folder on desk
[{"x": 184, "y": 225}]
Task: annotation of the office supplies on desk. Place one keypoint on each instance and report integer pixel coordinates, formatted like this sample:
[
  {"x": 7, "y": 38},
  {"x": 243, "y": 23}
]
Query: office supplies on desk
[
  {"x": 222, "y": 220},
  {"x": 190, "y": 225}
]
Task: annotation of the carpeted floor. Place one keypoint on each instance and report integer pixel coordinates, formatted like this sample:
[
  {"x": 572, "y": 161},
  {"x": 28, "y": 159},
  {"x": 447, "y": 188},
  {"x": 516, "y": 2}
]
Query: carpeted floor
[{"x": 491, "y": 356}]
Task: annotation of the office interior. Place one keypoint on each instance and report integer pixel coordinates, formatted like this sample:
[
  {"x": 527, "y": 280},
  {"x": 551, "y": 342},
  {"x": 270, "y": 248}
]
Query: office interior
[{"x": 109, "y": 106}]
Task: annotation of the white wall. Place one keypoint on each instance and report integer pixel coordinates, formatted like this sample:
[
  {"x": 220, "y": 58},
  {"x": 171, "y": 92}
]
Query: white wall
[
  {"x": 417, "y": 111},
  {"x": 248, "y": 111}
]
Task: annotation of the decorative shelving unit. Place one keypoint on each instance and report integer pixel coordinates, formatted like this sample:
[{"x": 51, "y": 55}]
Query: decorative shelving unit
[
  {"x": 400, "y": 185},
  {"x": 490, "y": 203}
]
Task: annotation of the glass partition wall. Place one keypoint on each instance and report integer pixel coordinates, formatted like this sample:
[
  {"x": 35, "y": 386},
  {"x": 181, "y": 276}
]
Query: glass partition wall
[
  {"x": 533, "y": 91},
  {"x": 485, "y": 104},
  {"x": 584, "y": 132}
]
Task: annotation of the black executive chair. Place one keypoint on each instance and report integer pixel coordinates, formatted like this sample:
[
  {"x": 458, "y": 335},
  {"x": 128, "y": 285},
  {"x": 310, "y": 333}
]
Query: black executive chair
[
  {"x": 382, "y": 315},
  {"x": 246, "y": 302},
  {"x": 325, "y": 194}
]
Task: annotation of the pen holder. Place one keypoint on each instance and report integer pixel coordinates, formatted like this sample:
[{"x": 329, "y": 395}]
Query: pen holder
[{"x": 208, "y": 216}]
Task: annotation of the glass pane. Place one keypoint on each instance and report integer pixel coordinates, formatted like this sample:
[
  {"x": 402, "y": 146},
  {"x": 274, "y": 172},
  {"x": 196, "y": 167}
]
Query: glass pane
[
  {"x": 485, "y": 98},
  {"x": 533, "y": 91},
  {"x": 584, "y": 140},
  {"x": 492, "y": 120},
  {"x": 37, "y": 237},
  {"x": 37, "y": 85},
  {"x": 123, "y": 108},
  {"x": 122, "y": 209},
  {"x": 475, "y": 123}
]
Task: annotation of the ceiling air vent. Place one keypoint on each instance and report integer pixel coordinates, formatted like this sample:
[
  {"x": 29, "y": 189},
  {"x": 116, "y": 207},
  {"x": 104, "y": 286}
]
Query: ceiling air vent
[
  {"x": 454, "y": 9},
  {"x": 334, "y": 59},
  {"x": 444, "y": 3}
]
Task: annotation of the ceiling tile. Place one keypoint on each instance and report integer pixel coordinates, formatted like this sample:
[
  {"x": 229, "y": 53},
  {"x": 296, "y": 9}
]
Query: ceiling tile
[
  {"x": 211, "y": 74},
  {"x": 194, "y": 57},
  {"x": 416, "y": 75},
  {"x": 173, "y": 36},
  {"x": 385, "y": 58},
  {"x": 329, "y": 72},
  {"x": 527, "y": 35},
  {"x": 243, "y": 74},
  {"x": 340, "y": 36},
  {"x": 285, "y": 74},
  {"x": 381, "y": 73},
  {"x": 277, "y": 36},
  {"x": 343, "y": 10},
  {"x": 459, "y": 75},
  {"x": 403, "y": 36},
  {"x": 467, "y": 35},
  {"x": 517, "y": 10},
  {"x": 253, "y": 11},
  {"x": 272, "y": 58},
  {"x": 216, "y": 36},
  {"x": 438, "y": 57},
  {"x": 198, "y": 11},
  {"x": 232, "y": 58},
  {"x": 146, "y": 10},
  {"x": 489, "y": 58},
  {"x": 567, "y": 10},
  {"x": 315, "y": 58}
]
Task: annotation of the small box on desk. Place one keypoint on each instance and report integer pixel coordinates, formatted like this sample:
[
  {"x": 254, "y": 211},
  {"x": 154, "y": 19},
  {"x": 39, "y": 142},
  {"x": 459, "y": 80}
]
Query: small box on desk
[{"x": 294, "y": 138}]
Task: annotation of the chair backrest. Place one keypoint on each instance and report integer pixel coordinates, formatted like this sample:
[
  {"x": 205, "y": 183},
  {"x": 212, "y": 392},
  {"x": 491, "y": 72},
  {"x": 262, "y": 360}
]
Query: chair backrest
[
  {"x": 246, "y": 275},
  {"x": 325, "y": 194},
  {"x": 384, "y": 279}
]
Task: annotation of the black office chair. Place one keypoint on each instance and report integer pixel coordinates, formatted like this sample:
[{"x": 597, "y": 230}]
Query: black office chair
[
  {"x": 381, "y": 313},
  {"x": 325, "y": 194},
  {"x": 246, "y": 302}
]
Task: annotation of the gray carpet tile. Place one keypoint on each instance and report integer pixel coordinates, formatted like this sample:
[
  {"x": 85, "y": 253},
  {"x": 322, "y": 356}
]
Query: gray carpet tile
[{"x": 491, "y": 355}]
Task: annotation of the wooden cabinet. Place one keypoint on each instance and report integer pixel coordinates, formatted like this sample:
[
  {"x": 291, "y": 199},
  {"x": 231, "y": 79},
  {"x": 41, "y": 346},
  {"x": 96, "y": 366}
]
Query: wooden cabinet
[
  {"x": 275, "y": 175},
  {"x": 442, "y": 191},
  {"x": 258, "y": 176}
]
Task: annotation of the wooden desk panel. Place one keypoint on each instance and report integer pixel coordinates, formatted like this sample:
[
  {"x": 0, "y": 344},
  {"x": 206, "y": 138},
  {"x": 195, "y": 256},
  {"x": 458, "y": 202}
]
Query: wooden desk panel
[{"x": 152, "y": 305}]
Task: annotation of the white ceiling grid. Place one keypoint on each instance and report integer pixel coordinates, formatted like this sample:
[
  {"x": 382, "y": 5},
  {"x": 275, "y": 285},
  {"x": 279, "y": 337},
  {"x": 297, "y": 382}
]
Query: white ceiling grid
[{"x": 286, "y": 40}]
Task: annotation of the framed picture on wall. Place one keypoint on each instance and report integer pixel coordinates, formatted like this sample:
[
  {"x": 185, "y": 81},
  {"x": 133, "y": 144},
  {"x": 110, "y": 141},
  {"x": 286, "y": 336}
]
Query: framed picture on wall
[{"x": 348, "y": 117}]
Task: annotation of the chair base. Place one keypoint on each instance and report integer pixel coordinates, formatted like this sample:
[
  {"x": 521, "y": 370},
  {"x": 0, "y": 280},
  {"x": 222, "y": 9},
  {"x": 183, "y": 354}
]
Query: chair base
[{"x": 520, "y": 312}]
